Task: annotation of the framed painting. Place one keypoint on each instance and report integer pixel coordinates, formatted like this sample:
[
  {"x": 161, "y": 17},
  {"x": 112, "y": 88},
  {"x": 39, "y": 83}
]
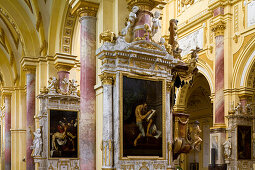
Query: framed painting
[
  {"x": 243, "y": 142},
  {"x": 63, "y": 134},
  {"x": 142, "y": 117}
]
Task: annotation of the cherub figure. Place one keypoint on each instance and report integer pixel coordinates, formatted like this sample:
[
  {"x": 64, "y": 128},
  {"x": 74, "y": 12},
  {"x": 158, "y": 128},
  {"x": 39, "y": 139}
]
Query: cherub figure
[
  {"x": 156, "y": 23},
  {"x": 52, "y": 84},
  {"x": 37, "y": 143},
  {"x": 73, "y": 87},
  {"x": 131, "y": 20},
  {"x": 227, "y": 148},
  {"x": 248, "y": 109},
  {"x": 238, "y": 108},
  {"x": 195, "y": 136}
]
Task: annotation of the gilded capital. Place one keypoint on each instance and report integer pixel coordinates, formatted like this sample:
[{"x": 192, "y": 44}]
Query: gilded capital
[
  {"x": 64, "y": 62},
  {"x": 146, "y": 5},
  {"x": 107, "y": 78},
  {"x": 85, "y": 8},
  {"x": 218, "y": 28},
  {"x": 29, "y": 64}
]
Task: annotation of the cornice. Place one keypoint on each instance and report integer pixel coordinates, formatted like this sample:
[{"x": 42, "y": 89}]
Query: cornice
[
  {"x": 146, "y": 5},
  {"x": 29, "y": 63},
  {"x": 85, "y": 8},
  {"x": 64, "y": 62},
  {"x": 195, "y": 20}
]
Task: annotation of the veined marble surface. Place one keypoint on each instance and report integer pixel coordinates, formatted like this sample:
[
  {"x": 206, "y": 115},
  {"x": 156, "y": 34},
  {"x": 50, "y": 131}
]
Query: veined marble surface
[
  {"x": 191, "y": 41},
  {"x": 251, "y": 13}
]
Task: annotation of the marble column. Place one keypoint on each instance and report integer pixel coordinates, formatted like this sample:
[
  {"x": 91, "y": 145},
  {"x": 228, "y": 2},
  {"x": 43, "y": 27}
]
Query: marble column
[
  {"x": 219, "y": 28},
  {"x": 218, "y": 132},
  {"x": 62, "y": 77},
  {"x": 107, "y": 143},
  {"x": 87, "y": 123},
  {"x": 169, "y": 127},
  {"x": 30, "y": 125},
  {"x": 7, "y": 127},
  {"x": 143, "y": 17}
]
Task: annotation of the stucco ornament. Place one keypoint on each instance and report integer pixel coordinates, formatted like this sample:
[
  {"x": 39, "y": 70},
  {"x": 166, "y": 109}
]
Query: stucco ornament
[{"x": 131, "y": 19}]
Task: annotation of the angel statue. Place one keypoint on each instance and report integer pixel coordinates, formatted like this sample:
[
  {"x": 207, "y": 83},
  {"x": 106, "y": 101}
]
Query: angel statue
[
  {"x": 37, "y": 143},
  {"x": 227, "y": 148}
]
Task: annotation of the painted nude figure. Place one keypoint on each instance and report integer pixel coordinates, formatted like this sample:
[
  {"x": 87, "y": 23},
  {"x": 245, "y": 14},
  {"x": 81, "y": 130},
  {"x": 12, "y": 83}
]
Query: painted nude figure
[{"x": 140, "y": 114}]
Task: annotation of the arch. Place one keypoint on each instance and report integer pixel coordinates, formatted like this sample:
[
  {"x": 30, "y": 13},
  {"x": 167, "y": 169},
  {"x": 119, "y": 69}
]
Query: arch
[
  {"x": 203, "y": 69},
  {"x": 55, "y": 30},
  {"x": 244, "y": 64}
]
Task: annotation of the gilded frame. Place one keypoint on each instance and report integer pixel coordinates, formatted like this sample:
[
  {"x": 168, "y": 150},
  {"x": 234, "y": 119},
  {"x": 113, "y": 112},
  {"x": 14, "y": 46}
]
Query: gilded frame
[
  {"x": 163, "y": 80},
  {"x": 78, "y": 148}
]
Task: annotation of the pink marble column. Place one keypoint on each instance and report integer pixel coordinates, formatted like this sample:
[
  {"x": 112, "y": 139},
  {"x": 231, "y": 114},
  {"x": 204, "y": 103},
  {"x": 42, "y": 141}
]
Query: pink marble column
[
  {"x": 219, "y": 79},
  {"x": 143, "y": 17},
  {"x": 87, "y": 126},
  {"x": 61, "y": 76},
  {"x": 30, "y": 75},
  {"x": 7, "y": 127}
]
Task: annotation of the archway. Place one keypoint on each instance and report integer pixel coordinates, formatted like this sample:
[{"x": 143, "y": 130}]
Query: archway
[{"x": 198, "y": 105}]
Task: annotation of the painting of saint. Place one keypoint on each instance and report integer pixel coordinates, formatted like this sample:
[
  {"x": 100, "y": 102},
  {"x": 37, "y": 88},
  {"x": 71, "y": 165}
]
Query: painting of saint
[
  {"x": 63, "y": 126},
  {"x": 142, "y": 117},
  {"x": 244, "y": 142}
]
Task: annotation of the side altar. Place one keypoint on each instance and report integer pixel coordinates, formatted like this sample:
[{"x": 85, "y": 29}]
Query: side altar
[
  {"x": 139, "y": 76},
  {"x": 55, "y": 142}
]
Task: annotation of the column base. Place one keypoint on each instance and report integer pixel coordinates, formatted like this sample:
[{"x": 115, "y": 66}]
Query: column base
[{"x": 217, "y": 167}]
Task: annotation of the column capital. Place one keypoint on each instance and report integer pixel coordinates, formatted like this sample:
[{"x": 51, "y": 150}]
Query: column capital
[
  {"x": 218, "y": 27},
  {"x": 29, "y": 64},
  {"x": 85, "y": 8},
  {"x": 64, "y": 62},
  {"x": 107, "y": 78},
  {"x": 6, "y": 91},
  {"x": 146, "y": 5}
]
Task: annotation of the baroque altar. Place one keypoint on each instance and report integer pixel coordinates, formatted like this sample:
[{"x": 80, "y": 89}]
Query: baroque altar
[
  {"x": 55, "y": 142},
  {"x": 139, "y": 75}
]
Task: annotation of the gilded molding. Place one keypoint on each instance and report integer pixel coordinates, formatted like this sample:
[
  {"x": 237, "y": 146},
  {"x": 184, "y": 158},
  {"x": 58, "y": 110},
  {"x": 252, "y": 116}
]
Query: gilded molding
[
  {"x": 29, "y": 5},
  {"x": 85, "y": 8},
  {"x": 107, "y": 78},
  {"x": 38, "y": 21},
  {"x": 218, "y": 28},
  {"x": 29, "y": 64},
  {"x": 187, "y": 2},
  {"x": 7, "y": 18},
  {"x": 64, "y": 62},
  {"x": 236, "y": 21},
  {"x": 145, "y": 5},
  {"x": 67, "y": 32}
]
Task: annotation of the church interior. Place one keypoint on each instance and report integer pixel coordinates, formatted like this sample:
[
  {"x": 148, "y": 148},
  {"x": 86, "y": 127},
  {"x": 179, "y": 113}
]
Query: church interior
[{"x": 127, "y": 84}]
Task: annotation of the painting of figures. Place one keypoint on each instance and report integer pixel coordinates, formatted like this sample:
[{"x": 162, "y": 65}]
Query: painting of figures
[
  {"x": 63, "y": 134},
  {"x": 244, "y": 142},
  {"x": 142, "y": 117}
]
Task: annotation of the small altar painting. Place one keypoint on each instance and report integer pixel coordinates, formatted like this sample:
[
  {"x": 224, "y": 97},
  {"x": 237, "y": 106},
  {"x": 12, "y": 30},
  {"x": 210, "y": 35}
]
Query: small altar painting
[
  {"x": 63, "y": 134},
  {"x": 244, "y": 142},
  {"x": 142, "y": 117}
]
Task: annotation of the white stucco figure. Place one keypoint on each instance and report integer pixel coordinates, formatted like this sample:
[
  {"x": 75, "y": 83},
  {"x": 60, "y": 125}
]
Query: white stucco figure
[
  {"x": 131, "y": 20},
  {"x": 52, "y": 84},
  {"x": 156, "y": 23},
  {"x": 227, "y": 148},
  {"x": 37, "y": 143}
]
